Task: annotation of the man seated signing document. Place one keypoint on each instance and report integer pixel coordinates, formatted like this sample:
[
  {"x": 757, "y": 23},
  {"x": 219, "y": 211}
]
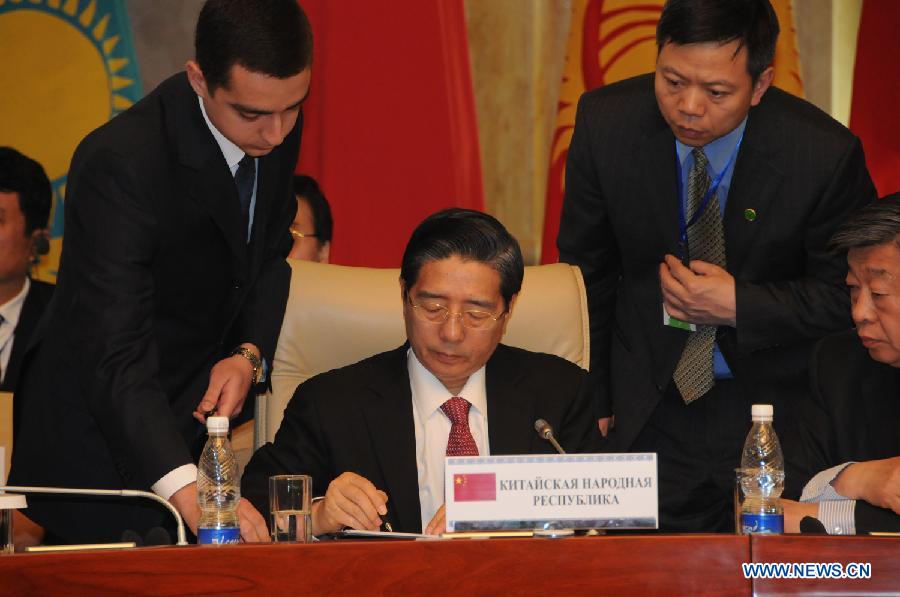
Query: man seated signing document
[{"x": 374, "y": 435}]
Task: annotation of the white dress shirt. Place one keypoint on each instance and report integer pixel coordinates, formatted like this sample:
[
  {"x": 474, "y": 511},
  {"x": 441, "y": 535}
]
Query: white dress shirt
[
  {"x": 433, "y": 429},
  {"x": 233, "y": 156},
  {"x": 11, "y": 312},
  {"x": 187, "y": 473}
]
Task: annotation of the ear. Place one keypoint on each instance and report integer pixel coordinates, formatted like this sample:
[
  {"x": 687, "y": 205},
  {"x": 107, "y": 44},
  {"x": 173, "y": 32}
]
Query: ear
[
  {"x": 40, "y": 242},
  {"x": 325, "y": 252},
  {"x": 763, "y": 82},
  {"x": 512, "y": 303},
  {"x": 509, "y": 310},
  {"x": 196, "y": 78}
]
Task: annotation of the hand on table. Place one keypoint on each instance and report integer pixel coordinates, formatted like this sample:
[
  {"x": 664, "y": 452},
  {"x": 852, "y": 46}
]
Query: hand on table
[
  {"x": 350, "y": 501},
  {"x": 253, "y": 526},
  {"x": 605, "y": 424},
  {"x": 438, "y": 523},
  {"x": 794, "y": 512}
]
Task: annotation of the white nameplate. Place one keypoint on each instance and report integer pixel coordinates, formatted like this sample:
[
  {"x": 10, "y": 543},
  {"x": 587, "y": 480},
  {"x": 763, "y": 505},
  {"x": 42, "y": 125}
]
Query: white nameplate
[{"x": 578, "y": 491}]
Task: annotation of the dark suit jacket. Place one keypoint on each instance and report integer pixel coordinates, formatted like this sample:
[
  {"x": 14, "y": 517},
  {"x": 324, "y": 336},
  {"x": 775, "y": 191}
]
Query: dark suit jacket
[
  {"x": 360, "y": 419},
  {"x": 37, "y": 299},
  {"x": 801, "y": 172},
  {"x": 852, "y": 414},
  {"x": 156, "y": 284}
]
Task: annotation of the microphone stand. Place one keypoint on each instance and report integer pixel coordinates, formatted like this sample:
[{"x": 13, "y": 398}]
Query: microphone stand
[{"x": 182, "y": 540}]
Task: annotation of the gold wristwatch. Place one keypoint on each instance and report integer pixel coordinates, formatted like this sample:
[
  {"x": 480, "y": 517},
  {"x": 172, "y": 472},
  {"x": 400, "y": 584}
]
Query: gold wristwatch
[{"x": 254, "y": 360}]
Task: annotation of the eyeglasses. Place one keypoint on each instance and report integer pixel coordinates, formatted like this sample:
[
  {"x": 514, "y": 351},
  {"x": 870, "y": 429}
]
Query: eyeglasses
[
  {"x": 298, "y": 234},
  {"x": 472, "y": 318}
]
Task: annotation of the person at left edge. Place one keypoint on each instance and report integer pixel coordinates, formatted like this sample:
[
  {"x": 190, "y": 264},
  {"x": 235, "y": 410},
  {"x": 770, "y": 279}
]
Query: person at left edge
[
  {"x": 25, "y": 198},
  {"x": 164, "y": 274}
]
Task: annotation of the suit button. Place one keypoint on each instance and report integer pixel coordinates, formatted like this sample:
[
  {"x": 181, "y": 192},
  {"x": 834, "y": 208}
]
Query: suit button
[{"x": 237, "y": 284}]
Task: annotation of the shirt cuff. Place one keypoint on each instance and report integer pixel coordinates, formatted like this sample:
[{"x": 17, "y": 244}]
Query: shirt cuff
[
  {"x": 175, "y": 480},
  {"x": 820, "y": 489},
  {"x": 838, "y": 516}
]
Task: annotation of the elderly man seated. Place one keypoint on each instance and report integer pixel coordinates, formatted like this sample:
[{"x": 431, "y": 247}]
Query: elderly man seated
[
  {"x": 852, "y": 420},
  {"x": 374, "y": 435}
]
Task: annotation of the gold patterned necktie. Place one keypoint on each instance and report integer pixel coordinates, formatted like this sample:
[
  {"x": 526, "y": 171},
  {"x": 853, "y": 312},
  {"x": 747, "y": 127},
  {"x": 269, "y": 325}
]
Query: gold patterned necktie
[{"x": 706, "y": 242}]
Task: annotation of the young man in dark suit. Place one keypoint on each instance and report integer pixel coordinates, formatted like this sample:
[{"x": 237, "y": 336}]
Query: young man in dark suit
[
  {"x": 25, "y": 199},
  {"x": 851, "y": 424},
  {"x": 374, "y": 435},
  {"x": 699, "y": 202},
  {"x": 172, "y": 282}
]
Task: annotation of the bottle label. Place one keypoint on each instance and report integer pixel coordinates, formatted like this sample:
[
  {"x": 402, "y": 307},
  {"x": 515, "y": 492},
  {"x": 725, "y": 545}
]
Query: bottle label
[
  {"x": 762, "y": 524},
  {"x": 219, "y": 536}
]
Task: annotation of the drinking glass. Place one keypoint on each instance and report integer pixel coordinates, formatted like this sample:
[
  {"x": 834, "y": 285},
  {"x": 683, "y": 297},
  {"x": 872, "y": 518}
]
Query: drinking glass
[{"x": 289, "y": 504}]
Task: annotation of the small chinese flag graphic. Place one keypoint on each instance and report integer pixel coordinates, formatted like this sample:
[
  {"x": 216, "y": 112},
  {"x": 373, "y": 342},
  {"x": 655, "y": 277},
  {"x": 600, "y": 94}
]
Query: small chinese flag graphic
[{"x": 475, "y": 487}]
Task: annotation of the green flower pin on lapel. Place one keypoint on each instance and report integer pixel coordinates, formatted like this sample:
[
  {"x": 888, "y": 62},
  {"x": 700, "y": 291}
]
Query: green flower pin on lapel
[{"x": 750, "y": 214}]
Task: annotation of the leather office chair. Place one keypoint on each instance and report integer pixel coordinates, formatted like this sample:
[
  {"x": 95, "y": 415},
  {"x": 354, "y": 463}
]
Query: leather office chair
[
  {"x": 6, "y": 436},
  {"x": 339, "y": 315}
]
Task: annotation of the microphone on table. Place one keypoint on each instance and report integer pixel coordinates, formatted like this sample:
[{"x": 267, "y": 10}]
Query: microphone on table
[
  {"x": 105, "y": 492},
  {"x": 545, "y": 431}
]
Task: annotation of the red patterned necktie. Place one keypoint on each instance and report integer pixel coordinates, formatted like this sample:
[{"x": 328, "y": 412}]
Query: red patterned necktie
[{"x": 460, "y": 442}]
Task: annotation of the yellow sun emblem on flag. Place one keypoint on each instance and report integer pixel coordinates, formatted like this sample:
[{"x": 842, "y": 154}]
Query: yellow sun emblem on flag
[{"x": 68, "y": 67}]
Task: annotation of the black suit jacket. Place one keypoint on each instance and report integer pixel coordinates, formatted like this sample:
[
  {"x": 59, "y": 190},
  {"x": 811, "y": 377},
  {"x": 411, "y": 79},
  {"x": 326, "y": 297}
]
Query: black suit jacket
[
  {"x": 37, "y": 299},
  {"x": 801, "y": 172},
  {"x": 360, "y": 419},
  {"x": 852, "y": 414},
  {"x": 157, "y": 283}
]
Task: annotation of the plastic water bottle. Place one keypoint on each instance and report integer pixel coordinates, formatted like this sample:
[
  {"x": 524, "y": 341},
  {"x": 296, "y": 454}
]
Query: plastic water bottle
[
  {"x": 763, "y": 476},
  {"x": 218, "y": 492}
]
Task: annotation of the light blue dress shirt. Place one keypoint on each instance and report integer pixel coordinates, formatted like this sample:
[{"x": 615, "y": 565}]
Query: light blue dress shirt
[{"x": 718, "y": 153}]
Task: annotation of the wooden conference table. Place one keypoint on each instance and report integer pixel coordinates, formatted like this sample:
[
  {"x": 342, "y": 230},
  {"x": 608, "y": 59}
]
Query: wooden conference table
[{"x": 615, "y": 565}]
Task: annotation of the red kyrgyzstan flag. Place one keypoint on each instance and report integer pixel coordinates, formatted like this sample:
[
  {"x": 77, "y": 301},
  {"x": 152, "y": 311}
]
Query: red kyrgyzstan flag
[
  {"x": 390, "y": 131},
  {"x": 876, "y": 93}
]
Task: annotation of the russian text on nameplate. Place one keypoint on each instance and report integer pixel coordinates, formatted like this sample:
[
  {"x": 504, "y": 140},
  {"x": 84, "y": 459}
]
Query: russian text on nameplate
[{"x": 542, "y": 491}]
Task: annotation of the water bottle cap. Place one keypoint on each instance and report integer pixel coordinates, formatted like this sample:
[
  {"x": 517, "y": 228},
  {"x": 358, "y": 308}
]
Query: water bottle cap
[
  {"x": 217, "y": 424},
  {"x": 762, "y": 412}
]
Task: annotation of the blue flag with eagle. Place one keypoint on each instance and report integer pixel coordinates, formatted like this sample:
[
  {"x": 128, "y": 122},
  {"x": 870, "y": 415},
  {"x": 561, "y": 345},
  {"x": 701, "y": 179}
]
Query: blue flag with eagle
[{"x": 68, "y": 67}]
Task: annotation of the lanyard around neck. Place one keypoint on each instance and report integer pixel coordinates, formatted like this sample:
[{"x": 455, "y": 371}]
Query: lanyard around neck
[{"x": 683, "y": 222}]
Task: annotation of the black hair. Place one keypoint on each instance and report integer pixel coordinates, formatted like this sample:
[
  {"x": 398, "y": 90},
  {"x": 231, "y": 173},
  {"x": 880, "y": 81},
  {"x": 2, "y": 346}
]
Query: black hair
[
  {"x": 470, "y": 235},
  {"x": 272, "y": 37},
  {"x": 752, "y": 22},
  {"x": 308, "y": 190},
  {"x": 22, "y": 175},
  {"x": 876, "y": 224}
]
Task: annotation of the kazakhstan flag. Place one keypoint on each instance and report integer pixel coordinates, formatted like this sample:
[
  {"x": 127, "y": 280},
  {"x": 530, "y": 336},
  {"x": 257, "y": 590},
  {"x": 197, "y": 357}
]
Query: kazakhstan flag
[{"x": 68, "y": 66}]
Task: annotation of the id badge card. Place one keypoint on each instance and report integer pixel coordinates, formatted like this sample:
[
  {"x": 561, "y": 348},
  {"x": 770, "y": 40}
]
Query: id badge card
[{"x": 677, "y": 323}]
